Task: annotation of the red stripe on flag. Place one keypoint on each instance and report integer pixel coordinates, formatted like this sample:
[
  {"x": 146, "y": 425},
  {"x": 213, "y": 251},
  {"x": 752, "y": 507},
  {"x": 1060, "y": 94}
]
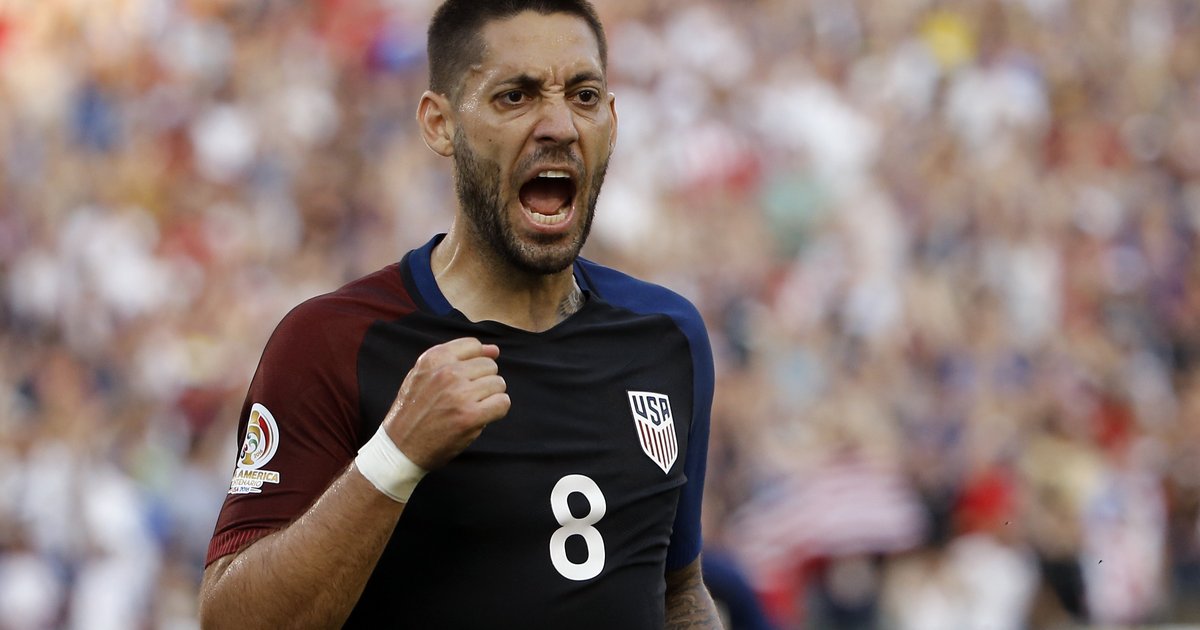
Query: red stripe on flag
[{"x": 645, "y": 437}]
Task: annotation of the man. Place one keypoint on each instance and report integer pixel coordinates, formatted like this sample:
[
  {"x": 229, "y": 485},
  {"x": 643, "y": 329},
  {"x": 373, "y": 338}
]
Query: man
[{"x": 491, "y": 433}]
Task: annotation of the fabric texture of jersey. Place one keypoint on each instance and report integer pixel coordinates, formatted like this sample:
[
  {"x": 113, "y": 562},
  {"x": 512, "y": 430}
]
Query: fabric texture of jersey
[{"x": 565, "y": 513}]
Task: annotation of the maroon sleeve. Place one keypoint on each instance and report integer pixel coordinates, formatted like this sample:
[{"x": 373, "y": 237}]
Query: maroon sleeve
[{"x": 299, "y": 423}]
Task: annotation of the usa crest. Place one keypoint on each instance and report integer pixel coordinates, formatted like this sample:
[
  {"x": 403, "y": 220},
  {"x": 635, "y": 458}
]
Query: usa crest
[{"x": 655, "y": 426}]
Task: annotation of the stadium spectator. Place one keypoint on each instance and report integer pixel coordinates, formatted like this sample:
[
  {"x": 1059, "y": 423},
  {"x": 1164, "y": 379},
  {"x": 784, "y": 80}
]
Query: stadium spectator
[{"x": 973, "y": 223}]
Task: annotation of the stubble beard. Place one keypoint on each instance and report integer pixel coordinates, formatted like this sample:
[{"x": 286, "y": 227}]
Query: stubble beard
[{"x": 477, "y": 184}]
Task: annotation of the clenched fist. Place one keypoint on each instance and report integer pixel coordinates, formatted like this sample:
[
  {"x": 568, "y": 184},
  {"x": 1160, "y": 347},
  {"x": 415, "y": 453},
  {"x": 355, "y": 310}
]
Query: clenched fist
[{"x": 452, "y": 392}]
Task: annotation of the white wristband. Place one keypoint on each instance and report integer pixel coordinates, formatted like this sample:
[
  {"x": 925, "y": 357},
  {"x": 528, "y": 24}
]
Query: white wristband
[{"x": 387, "y": 468}]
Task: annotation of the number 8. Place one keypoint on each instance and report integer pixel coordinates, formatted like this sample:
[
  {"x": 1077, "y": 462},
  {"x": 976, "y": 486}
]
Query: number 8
[{"x": 572, "y": 526}]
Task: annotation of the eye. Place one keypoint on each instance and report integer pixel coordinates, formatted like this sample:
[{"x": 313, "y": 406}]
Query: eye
[
  {"x": 513, "y": 97},
  {"x": 588, "y": 96}
]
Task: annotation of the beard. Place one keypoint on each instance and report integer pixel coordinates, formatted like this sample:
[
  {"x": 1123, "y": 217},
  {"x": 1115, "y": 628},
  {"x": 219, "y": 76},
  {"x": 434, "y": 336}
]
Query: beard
[{"x": 477, "y": 184}]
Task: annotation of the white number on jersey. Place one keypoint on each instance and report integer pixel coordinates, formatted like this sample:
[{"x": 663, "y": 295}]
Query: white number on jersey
[{"x": 572, "y": 526}]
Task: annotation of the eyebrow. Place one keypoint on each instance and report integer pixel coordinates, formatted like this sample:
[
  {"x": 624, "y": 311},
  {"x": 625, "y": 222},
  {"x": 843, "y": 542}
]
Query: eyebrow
[
  {"x": 531, "y": 83},
  {"x": 584, "y": 77}
]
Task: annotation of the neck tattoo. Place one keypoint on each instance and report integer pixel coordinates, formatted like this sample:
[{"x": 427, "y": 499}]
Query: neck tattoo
[{"x": 570, "y": 304}]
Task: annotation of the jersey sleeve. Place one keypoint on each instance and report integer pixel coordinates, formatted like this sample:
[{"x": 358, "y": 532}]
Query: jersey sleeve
[
  {"x": 298, "y": 426},
  {"x": 686, "y": 540}
]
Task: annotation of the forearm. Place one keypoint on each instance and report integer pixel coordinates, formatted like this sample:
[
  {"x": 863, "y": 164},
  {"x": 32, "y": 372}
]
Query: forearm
[
  {"x": 689, "y": 605},
  {"x": 311, "y": 573}
]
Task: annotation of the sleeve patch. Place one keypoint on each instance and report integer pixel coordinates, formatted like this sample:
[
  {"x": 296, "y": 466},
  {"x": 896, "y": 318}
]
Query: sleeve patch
[{"x": 258, "y": 447}]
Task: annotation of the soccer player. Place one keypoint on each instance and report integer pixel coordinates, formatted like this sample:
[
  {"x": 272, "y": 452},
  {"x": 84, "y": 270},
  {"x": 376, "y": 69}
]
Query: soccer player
[{"x": 493, "y": 432}]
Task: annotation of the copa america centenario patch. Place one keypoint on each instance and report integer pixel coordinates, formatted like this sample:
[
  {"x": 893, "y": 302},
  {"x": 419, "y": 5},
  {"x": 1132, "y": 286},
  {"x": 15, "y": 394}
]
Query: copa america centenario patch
[{"x": 258, "y": 447}]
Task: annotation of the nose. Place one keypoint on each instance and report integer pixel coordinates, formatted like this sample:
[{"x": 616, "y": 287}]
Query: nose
[{"x": 556, "y": 125}]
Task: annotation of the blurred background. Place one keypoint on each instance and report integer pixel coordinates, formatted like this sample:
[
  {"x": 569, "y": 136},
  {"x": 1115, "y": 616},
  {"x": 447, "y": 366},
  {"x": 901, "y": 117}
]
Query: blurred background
[{"x": 947, "y": 253}]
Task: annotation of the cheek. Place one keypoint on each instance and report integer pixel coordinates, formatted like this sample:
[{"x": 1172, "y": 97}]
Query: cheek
[
  {"x": 489, "y": 146},
  {"x": 600, "y": 134},
  {"x": 600, "y": 148},
  {"x": 494, "y": 145}
]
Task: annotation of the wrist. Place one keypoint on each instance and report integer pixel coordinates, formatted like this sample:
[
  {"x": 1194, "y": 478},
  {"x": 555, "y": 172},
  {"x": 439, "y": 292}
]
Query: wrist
[{"x": 387, "y": 468}]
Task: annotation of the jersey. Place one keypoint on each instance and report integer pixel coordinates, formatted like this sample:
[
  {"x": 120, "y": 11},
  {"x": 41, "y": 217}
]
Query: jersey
[{"x": 564, "y": 513}]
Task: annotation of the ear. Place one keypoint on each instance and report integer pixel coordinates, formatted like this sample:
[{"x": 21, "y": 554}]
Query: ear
[
  {"x": 612, "y": 110},
  {"x": 437, "y": 126}
]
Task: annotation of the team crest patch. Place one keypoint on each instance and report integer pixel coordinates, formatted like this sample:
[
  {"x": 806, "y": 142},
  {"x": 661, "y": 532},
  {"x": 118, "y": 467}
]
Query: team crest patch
[
  {"x": 655, "y": 427},
  {"x": 258, "y": 447}
]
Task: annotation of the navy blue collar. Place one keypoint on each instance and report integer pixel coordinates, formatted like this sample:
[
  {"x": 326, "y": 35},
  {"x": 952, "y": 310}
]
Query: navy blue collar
[{"x": 421, "y": 268}]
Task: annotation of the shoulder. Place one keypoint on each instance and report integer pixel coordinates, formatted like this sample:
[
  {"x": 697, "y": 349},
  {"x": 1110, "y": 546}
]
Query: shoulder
[
  {"x": 625, "y": 291},
  {"x": 381, "y": 295},
  {"x": 333, "y": 322}
]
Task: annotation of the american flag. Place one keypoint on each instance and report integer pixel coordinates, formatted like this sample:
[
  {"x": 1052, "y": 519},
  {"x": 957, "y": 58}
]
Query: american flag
[{"x": 846, "y": 507}]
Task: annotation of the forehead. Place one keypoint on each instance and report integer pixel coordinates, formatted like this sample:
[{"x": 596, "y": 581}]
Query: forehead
[{"x": 539, "y": 45}]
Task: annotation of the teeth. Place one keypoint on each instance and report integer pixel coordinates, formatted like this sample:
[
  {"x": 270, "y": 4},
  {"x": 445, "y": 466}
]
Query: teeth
[
  {"x": 555, "y": 174},
  {"x": 548, "y": 219}
]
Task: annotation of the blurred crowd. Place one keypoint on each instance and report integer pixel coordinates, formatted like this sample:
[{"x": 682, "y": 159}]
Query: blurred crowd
[{"x": 947, "y": 252}]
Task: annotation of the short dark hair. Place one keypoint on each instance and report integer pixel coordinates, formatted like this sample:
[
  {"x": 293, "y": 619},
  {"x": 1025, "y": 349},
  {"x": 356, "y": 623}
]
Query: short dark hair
[{"x": 454, "y": 43}]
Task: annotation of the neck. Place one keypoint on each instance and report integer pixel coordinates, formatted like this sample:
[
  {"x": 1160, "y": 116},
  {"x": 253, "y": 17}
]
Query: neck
[{"x": 486, "y": 289}]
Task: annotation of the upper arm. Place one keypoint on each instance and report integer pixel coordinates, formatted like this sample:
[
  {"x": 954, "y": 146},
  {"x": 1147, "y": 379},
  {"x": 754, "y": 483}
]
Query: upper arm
[
  {"x": 685, "y": 577},
  {"x": 686, "y": 539},
  {"x": 213, "y": 573},
  {"x": 298, "y": 426},
  {"x": 688, "y": 603}
]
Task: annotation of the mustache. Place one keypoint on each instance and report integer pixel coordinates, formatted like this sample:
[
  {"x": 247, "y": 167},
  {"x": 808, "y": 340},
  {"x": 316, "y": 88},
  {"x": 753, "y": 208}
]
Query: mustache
[{"x": 556, "y": 155}]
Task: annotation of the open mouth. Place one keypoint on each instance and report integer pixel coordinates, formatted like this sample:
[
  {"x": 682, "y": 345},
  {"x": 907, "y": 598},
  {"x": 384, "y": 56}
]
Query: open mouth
[{"x": 547, "y": 197}]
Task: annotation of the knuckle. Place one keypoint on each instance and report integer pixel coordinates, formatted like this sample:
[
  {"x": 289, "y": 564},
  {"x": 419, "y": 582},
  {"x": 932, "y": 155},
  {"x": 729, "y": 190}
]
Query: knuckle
[
  {"x": 440, "y": 353},
  {"x": 445, "y": 375},
  {"x": 465, "y": 422}
]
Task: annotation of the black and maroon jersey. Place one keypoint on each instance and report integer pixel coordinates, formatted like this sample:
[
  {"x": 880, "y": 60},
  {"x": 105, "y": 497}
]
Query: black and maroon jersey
[{"x": 564, "y": 514}]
